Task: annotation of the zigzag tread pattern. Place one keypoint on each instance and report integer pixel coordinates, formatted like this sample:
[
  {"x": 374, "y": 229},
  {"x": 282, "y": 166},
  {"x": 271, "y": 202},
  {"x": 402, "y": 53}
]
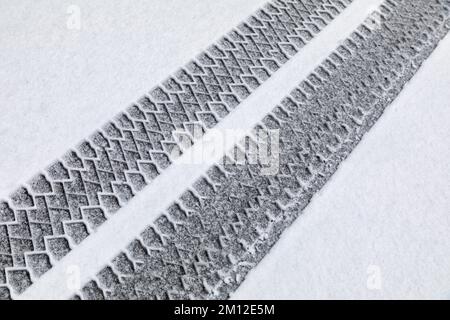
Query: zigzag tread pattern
[
  {"x": 44, "y": 220},
  {"x": 205, "y": 244}
]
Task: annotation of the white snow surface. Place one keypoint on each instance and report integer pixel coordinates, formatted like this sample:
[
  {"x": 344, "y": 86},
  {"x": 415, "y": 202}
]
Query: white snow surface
[{"x": 379, "y": 228}]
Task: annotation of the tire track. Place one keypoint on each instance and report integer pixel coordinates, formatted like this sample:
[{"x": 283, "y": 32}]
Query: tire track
[
  {"x": 204, "y": 245},
  {"x": 42, "y": 221}
]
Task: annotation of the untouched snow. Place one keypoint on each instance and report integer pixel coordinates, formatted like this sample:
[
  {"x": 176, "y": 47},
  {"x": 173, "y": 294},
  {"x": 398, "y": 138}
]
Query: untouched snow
[{"x": 380, "y": 227}]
